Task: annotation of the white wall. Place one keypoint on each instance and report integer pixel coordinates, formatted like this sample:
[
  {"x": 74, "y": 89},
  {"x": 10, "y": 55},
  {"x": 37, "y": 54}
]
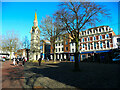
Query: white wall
[
  {"x": 72, "y": 47},
  {"x": 115, "y": 42}
]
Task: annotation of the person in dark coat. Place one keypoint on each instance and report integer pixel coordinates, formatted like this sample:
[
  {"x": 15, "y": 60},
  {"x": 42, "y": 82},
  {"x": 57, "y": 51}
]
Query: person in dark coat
[
  {"x": 23, "y": 61},
  {"x": 17, "y": 61},
  {"x": 39, "y": 60}
]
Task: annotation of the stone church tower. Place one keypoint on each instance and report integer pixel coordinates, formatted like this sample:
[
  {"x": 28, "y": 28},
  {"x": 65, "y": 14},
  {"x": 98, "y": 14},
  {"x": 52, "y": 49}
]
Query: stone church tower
[{"x": 35, "y": 40}]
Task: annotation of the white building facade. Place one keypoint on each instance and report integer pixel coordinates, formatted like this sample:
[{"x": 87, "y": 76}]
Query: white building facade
[
  {"x": 92, "y": 41},
  {"x": 116, "y": 41}
]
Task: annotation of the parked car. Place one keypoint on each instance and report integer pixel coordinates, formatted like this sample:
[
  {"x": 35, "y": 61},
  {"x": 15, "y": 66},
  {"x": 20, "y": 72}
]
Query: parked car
[{"x": 116, "y": 59}]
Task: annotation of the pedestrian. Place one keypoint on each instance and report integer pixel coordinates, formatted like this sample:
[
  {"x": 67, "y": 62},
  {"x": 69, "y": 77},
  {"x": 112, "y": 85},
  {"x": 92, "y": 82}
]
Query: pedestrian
[
  {"x": 17, "y": 61},
  {"x": 23, "y": 61},
  {"x": 39, "y": 60},
  {"x": 3, "y": 59},
  {"x": 47, "y": 59},
  {"x": 13, "y": 61}
]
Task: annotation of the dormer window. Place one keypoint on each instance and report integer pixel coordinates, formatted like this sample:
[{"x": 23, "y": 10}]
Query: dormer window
[
  {"x": 88, "y": 32},
  {"x": 94, "y": 31},
  {"x": 106, "y": 28},
  {"x": 82, "y": 33},
  {"x": 99, "y": 29},
  {"x": 103, "y": 29}
]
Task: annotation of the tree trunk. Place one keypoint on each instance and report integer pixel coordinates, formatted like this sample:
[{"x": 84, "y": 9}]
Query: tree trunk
[
  {"x": 54, "y": 57},
  {"x": 10, "y": 55},
  {"x": 27, "y": 55},
  {"x": 76, "y": 65},
  {"x": 54, "y": 51}
]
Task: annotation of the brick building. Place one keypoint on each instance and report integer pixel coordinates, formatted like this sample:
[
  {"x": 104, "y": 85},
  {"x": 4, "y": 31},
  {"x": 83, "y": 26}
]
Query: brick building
[
  {"x": 21, "y": 53},
  {"x": 45, "y": 49},
  {"x": 62, "y": 47},
  {"x": 93, "y": 43}
]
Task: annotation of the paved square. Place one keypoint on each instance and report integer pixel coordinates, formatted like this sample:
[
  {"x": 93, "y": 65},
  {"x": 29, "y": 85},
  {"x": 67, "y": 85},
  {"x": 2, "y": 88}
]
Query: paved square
[{"x": 60, "y": 75}]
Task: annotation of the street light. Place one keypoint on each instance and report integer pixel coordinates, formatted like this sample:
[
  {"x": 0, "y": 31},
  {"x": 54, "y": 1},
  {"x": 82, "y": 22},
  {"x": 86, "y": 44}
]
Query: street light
[{"x": 80, "y": 55}]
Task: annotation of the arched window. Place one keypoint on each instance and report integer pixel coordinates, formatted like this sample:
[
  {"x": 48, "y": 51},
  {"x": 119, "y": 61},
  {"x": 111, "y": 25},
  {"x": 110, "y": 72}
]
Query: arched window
[
  {"x": 100, "y": 37},
  {"x": 83, "y": 39},
  {"x": 33, "y": 31},
  {"x": 94, "y": 38},
  {"x": 107, "y": 36},
  {"x": 83, "y": 45},
  {"x": 101, "y": 44},
  {"x": 88, "y": 39},
  {"x": 95, "y": 45},
  {"x": 88, "y": 45}
]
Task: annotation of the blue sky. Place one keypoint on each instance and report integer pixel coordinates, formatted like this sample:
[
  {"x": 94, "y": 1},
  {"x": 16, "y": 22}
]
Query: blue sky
[{"x": 19, "y": 16}]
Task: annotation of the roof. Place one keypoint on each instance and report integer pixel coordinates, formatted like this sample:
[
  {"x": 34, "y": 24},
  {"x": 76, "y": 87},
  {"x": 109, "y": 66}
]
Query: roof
[
  {"x": 96, "y": 27},
  {"x": 116, "y": 36},
  {"x": 46, "y": 41}
]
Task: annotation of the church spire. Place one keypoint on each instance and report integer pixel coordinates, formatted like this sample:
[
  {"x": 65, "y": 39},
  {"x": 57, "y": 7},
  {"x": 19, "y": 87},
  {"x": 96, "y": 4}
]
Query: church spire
[
  {"x": 35, "y": 16},
  {"x": 35, "y": 20}
]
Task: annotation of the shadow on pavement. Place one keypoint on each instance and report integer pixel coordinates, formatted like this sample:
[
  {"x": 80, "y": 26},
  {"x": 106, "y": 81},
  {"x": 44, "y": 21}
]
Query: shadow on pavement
[{"x": 92, "y": 75}]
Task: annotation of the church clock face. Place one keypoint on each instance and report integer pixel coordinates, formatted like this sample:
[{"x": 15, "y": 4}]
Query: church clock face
[{"x": 37, "y": 32}]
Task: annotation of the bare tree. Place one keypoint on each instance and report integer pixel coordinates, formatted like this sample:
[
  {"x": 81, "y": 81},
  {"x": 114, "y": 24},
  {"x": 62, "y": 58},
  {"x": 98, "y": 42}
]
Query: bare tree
[
  {"x": 26, "y": 45},
  {"x": 50, "y": 31},
  {"x": 10, "y": 42},
  {"x": 77, "y": 16}
]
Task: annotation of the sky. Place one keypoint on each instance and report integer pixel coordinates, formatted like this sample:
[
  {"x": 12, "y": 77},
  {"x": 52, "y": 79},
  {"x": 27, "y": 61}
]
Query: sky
[{"x": 19, "y": 16}]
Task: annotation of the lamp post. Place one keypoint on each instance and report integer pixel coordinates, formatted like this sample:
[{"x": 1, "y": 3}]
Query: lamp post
[
  {"x": 80, "y": 55},
  {"x": 94, "y": 55}
]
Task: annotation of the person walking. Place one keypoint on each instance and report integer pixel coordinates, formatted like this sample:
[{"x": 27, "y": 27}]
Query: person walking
[
  {"x": 17, "y": 61},
  {"x": 39, "y": 60},
  {"x": 3, "y": 59},
  {"x": 23, "y": 61},
  {"x": 13, "y": 61}
]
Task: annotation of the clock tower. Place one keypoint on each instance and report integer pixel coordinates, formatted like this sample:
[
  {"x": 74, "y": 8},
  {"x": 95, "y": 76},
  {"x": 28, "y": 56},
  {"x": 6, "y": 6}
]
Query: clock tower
[{"x": 35, "y": 40}]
